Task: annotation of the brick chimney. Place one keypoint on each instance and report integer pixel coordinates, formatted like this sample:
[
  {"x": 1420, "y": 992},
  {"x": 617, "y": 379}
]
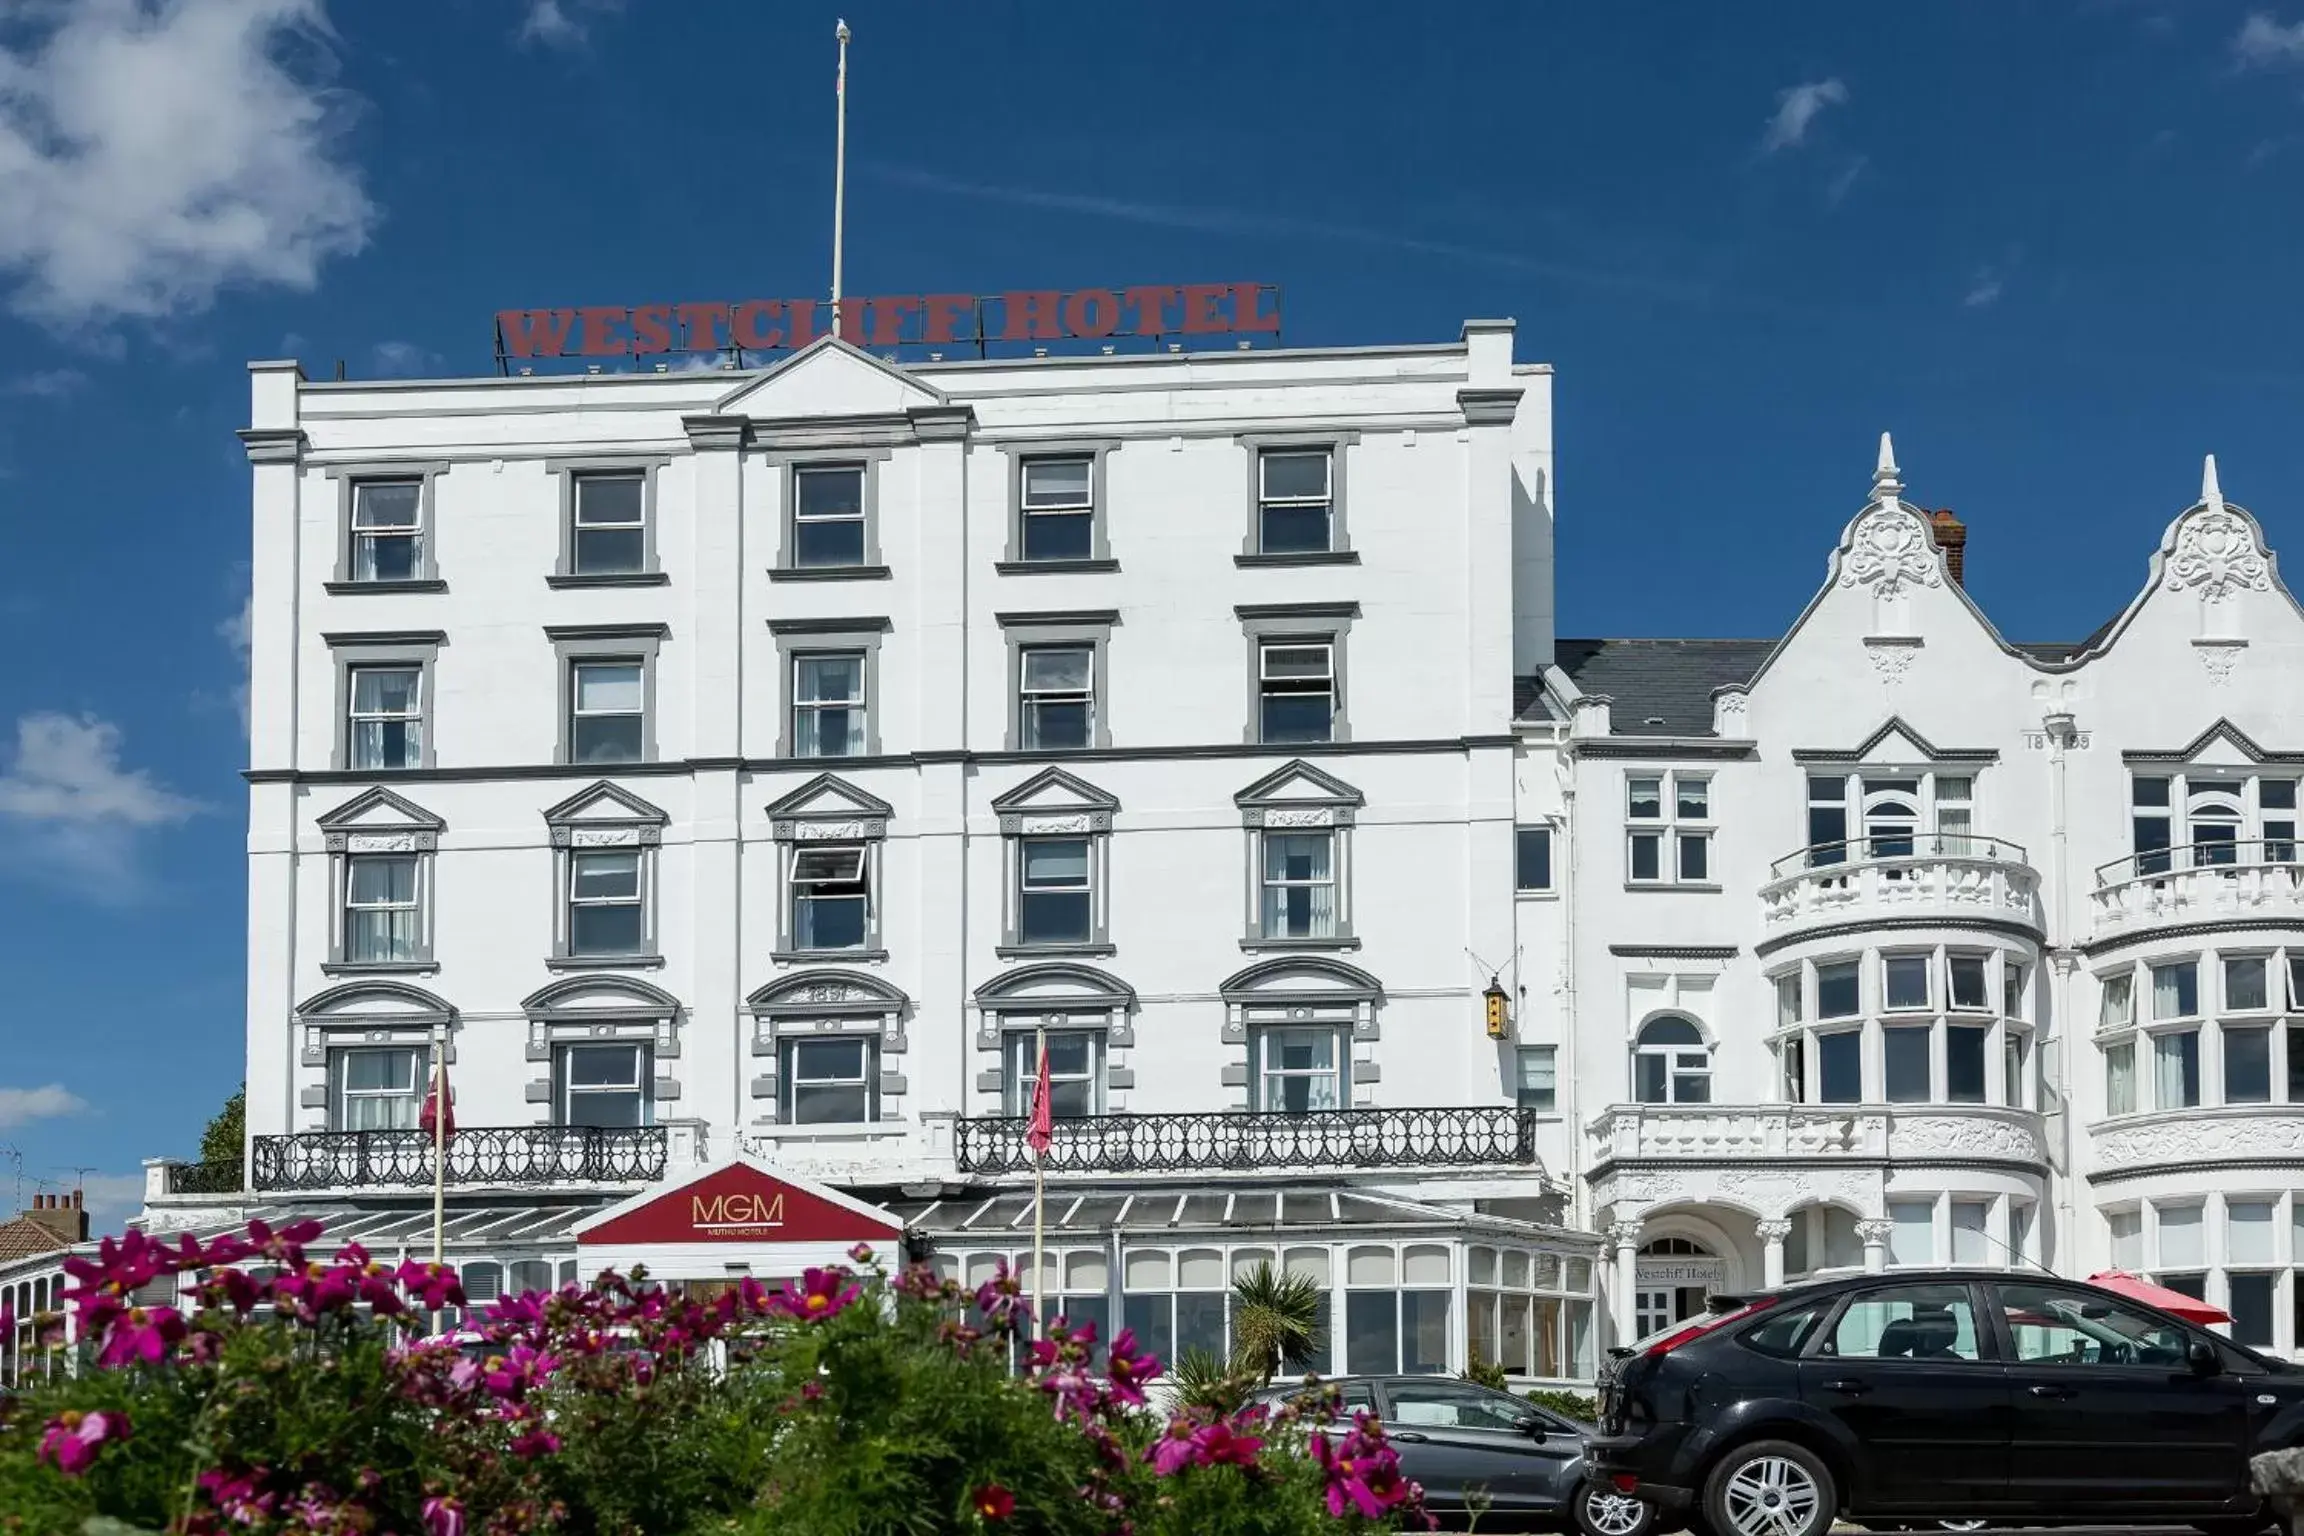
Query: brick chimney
[
  {"x": 1952, "y": 538},
  {"x": 63, "y": 1215}
]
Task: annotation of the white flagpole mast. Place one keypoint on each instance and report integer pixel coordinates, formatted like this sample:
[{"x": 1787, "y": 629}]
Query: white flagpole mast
[
  {"x": 840, "y": 175},
  {"x": 1039, "y": 1189},
  {"x": 439, "y": 1146}
]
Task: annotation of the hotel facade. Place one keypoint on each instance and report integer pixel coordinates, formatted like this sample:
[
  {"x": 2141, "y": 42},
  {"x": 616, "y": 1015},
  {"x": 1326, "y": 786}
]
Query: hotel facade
[{"x": 736, "y": 775}]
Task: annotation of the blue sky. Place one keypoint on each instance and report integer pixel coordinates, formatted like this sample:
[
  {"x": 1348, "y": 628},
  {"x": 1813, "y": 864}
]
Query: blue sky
[{"x": 2049, "y": 243}]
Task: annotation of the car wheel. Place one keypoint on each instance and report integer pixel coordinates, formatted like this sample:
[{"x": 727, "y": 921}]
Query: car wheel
[
  {"x": 1602, "y": 1511},
  {"x": 1771, "y": 1488}
]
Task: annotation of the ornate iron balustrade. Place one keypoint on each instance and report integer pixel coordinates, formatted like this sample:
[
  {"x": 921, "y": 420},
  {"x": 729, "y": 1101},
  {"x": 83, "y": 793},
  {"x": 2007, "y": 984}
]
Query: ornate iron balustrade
[
  {"x": 206, "y": 1178},
  {"x": 518, "y": 1155},
  {"x": 1468, "y": 1137}
]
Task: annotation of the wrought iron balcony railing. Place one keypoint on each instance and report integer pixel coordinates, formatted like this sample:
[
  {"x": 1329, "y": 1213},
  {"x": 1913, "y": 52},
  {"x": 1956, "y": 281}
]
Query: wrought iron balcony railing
[
  {"x": 499, "y": 1155},
  {"x": 1468, "y": 1137},
  {"x": 205, "y": 1178}
]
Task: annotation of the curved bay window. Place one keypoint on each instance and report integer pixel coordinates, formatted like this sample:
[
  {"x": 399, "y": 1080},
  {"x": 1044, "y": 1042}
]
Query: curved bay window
[
  {"x": 2223, "y": 1027},
  {"x": 1671, "y": 1064},
  {"x": 2207, "y": 820},
  {"x": 1889, "y": 816},
  {"x": 1936, "y": 1025}
]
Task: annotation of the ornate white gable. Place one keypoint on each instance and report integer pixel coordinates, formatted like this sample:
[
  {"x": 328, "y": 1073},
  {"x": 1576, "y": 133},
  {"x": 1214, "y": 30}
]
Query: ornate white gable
[
  {"x": 1053, "y": 801},
  {"x": 1298, "y": 795},
  {"x": 379, "y": 821},
  {"x": 604, "y": 816},
  {"x": 829, "y": 808}
]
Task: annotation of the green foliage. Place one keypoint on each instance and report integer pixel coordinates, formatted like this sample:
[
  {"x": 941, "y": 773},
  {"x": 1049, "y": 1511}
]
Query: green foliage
[
  {"x": 223, "y": 1143},
  {"x": 1205, "y": 1380},
  {"x": 1275, "y": 1322},
  {"x": 1486, "y": 1372},
  {"x": 1573, "y": 1405}
]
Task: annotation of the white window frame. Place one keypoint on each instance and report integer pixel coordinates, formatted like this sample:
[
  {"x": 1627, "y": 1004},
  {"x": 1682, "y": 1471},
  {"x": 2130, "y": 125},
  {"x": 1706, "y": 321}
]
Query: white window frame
[
  {"x": 418, "y": 948},
  {"x": 565, "y": 1092},
  {"x": 802, "y": 474},
  {"x": 580, "y": 482},
  {"x": 577, "y": 667},
  {"x": 1671, "y": 832},
  {"x": 858, "y": 707},
  {"x": 577, "y": 859},
  {"x": 1267, "y": 502},
  {"x": 1021, "y": 1063},
  {"x": 789, "y": 1083},
  {"x": 1927, "y": 962},
  {"x": 1265, "y": 1077},
  {"x": 1541, "y": 832},
  {"x": 1676, "y": 1059},
  {"x": 1029, "y": 697},
  {"x": 1031, "y": 513},
  {"x": 355, "y": 717},
  {"x": 341, "y": 1094},
  {"x": 412, "y": 531},
  {"x": 1085, "y": 888},
  {"x": 1525, "y": 1056},
  {"x": 858, "y": 870},
  {"x": 1267, "y": 885},
  {"x": 1269, "y": 687}
]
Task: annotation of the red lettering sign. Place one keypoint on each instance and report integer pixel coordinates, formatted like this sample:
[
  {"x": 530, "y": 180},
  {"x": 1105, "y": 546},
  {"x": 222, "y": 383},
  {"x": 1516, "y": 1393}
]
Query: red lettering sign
[
  {"x": 934, "y": 320},
  {"x": 741, "y": 1204}
]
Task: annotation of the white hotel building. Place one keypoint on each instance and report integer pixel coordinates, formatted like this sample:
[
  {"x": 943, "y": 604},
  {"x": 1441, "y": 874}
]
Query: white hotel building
[{"x": 749, "y": 765}]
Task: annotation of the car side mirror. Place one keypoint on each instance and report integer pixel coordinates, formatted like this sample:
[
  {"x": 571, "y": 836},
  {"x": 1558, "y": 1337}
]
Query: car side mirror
[{"x": 2202, "y": 1357}]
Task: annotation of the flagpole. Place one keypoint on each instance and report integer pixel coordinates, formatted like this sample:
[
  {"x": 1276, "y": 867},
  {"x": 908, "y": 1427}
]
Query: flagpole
[
  {"x": 439, "y": 1145},
  {"x": 839, "y": 174},
  {"x": 1039, "y": 1189}
]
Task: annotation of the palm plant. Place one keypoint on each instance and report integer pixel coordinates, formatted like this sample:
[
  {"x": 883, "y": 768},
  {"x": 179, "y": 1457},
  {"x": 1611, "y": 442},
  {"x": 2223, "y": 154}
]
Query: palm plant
[
  {"x": 1275, "y": 1322},
  {"x": 1204, "y": 1380}
]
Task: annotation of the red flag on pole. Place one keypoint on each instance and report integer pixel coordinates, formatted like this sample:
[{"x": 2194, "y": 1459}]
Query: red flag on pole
[
  {"x": 1043, "y": 1128},
  {"x": 438, "y": 1119}
]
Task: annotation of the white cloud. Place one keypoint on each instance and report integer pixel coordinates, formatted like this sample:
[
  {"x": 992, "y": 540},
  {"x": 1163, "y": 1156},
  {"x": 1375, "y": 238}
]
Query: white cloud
[
  {"x": 557, "y": 24},
  {"x": 1796, "y": 108},
  {"x": 152, "y": 154},
  {"x": 111, "y": 1199},
  {"x": 1984, "y": 288},
  {"x": 236, "y": 631},
  {"x": 47, "y": 384},
  {"x": 402, "y": 359},
  {"x": 2263, "y": 43},
  {"x": 73, "y": 812},
  {"x": 22, "y": 1106},
  {"x": 1836, "y": 191}
]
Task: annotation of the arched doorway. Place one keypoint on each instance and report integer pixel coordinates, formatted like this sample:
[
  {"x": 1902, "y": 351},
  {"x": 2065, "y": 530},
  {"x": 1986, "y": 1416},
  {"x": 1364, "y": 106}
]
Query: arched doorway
[{"x": 1675, "y": 1276}]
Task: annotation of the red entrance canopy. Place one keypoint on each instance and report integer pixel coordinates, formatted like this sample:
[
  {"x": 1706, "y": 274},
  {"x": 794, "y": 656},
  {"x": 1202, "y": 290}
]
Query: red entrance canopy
[
  {"x": 735, "y": 1216},
  {"x": 2137, "y": 1288}
]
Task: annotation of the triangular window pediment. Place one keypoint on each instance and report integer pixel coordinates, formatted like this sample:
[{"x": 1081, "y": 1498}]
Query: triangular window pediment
[
  {"x": 604, "y": 804},
  {"x": 828, "y": 797},
  {"x": 1054, "y": 790},
  {"x": 1299, "y": 783},
  {"x": 1894, "y": 743},
  {"x": 380, "y": 810},
  {"x": 829, "y": 377}
]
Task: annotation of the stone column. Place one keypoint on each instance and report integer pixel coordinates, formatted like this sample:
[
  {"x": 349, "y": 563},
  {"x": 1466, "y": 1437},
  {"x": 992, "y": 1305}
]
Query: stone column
[
  {"x": 1626, "y": 1236},
  {"x": 1875, "y": 1235},
  {"x": 1772, "y": 1235}
]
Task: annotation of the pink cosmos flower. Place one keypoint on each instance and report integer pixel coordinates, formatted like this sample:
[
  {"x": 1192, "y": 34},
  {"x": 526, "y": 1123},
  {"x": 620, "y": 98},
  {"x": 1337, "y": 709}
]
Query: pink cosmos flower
[
  {"x": 1361, "y": 1469},
  {"x": 435, "y": 1286},
  {"x": 238, "y": 1496},
  {"x": 511, "y": 1375},
  {"x": 1174, "y": 1450},
  {"x": 443, "y": 1517},
  {"x": 535, "y": 1443},
  {"x": 71, "y": 1439},
  {"x": 1127, "y": 1370},
  {"x": 1001, "y": 1300},
  {"x": 141, "y": 1333},
  {"x": 821, "y": 1294},
  {"x": 860, "y": 1254},
  {"x": 1216, "y": 1444}
]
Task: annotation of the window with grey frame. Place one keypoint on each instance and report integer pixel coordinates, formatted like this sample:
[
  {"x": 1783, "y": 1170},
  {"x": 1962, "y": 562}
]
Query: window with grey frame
[
  {"x": 1300, "y": 892},
  {"x": 1055, "y": 896},
  {"x": 383, "y": 912},
  {"x": 387, "y": 531},
  {"x": 1294, "y": 501},
  {"x": 377, "y": 1087},
  {"x": 1296, "y": 690},
  {"x": 607, "y": 709},
  {"x": 1531, "y": 859},
  {"x": 831, "y": 896},
  {"x": 607, "y": 902},
  {"x": 604, "y": 1084},
  {"x": 384, "y": 728},
  {"x": 828, "y": 1080},
  {"x": 609, "y": 533},
  {"x": 1056, "y": 697},
  {"x": 828, "y": 515},
  {"x": 1075, "y": 1072},
  {"x": 828, "y": 704},
  {"x": 1057, "y": 508}
]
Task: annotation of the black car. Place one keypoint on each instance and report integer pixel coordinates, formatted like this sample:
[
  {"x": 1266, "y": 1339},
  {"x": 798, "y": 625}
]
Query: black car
[
  {"x": 1480, "y": 1451},
  {"x": 1941, "y": 1395}
]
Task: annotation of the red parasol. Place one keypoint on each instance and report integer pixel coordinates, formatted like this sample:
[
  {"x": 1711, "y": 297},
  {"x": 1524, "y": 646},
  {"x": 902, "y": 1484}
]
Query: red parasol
[{"x": 2175, "y": 1303}]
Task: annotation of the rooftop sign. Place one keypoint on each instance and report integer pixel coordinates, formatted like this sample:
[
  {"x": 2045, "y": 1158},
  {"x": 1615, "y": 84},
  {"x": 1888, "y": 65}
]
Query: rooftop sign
[{"x": 1151, "y": 312}]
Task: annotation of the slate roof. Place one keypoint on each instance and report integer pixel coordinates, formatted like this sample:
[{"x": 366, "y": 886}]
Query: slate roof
[
  {"x": 1660, "y": 687},
  {"x": 1664, "y": 687}
]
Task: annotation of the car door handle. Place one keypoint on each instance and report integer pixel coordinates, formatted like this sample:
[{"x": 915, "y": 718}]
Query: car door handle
[
  {"x": 1852, "y": 1388},
  {"x": 2047, "y": 1391},
  {"x": 1409, "y": 1435}
]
